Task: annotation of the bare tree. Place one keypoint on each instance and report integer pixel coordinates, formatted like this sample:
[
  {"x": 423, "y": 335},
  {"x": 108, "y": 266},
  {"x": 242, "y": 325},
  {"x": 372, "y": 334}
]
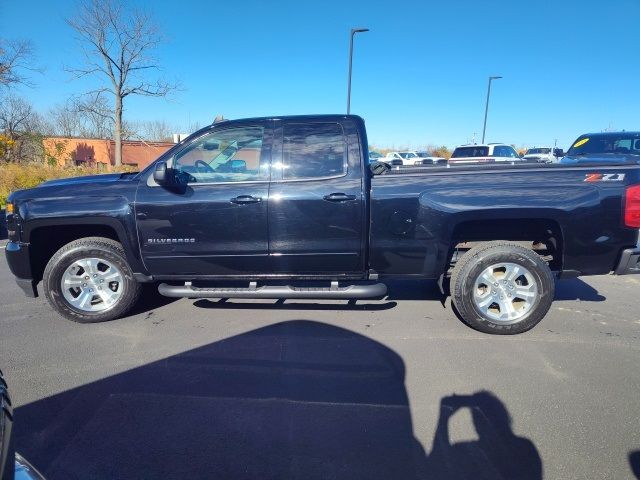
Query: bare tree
[
  {"x": 15, "y": 116},
  {"x": 130, "y": 130},
  {"x": 118, "y": 46},
  {"x": 96, "y": 116},
  {"x": 65, "y": 121},
  {"x": 23, "y": 127},
  {"x": 16, "y": 56},
  {"x": 81, "y": 117},
  {"x": 157, "y": 130},
  {"x": 194, "y": 126}
]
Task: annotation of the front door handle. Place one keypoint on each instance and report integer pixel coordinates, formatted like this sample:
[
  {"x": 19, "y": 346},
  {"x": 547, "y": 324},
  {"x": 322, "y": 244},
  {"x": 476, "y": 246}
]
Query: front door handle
[
  {"x": 244, "y": 199},
  {"x": 339, "y": 197}
]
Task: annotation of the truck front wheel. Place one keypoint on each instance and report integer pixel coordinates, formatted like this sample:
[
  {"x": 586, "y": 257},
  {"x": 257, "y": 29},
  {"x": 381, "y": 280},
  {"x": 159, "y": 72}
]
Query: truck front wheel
[
  {"x": 89, "y": 280},
  {"x": 502, "y": 288}
]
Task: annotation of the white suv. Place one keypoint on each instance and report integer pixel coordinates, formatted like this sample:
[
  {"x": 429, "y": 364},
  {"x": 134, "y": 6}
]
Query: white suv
[
  {"x": 412, "y": 158},
  {"x": 487, "y": 153}
]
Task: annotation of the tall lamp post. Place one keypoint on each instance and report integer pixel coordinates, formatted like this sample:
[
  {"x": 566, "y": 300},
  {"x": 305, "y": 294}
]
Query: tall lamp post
[
  {"x": 486, "y": 108},
  {"x": 353, "y": 32}
]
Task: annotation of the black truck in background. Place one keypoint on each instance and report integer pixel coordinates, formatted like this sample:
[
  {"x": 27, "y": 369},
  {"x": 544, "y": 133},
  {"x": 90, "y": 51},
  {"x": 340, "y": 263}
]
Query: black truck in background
[{"x": 289, "y": 207}]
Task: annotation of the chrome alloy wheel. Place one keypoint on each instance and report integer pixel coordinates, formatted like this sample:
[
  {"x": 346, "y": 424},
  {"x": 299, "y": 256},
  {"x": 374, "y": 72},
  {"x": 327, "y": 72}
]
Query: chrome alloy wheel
[
  {"x": 92, "y": 284},
  {"x": 505, "y": 292}
]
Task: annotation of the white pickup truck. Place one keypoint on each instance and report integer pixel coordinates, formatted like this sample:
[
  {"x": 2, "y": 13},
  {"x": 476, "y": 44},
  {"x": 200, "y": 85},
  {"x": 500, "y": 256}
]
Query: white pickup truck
[{"x": 543, "y": 154}]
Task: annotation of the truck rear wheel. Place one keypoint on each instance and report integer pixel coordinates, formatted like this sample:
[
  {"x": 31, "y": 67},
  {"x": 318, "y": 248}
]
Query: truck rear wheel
[
  {"x": 502, "y": 288},
  {"x": 89, "y": 280}
]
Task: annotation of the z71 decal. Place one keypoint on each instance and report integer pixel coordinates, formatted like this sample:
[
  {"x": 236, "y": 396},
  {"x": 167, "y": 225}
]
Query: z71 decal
[{"x": 604, "y": 177}]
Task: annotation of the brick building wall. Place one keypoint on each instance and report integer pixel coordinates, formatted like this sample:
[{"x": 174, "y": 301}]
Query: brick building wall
[{"x": 100, "y": 152}]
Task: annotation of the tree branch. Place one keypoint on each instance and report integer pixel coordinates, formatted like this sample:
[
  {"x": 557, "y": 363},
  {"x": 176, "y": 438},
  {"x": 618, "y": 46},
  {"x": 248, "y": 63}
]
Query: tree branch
[{"x": 15, "y": 57}]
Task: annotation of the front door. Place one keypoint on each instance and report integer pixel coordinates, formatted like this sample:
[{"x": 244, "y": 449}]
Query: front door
[
  {"x": 215, "y": 221},
  {"x": 316, "y": 202}
]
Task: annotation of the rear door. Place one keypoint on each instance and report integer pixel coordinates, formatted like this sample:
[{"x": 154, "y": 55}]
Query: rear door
[{"x": 316, "y": 200}]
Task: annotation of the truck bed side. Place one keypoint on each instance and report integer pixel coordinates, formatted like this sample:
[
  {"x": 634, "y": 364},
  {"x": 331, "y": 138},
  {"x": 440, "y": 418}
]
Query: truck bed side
[{"x": 417, "y": 219}]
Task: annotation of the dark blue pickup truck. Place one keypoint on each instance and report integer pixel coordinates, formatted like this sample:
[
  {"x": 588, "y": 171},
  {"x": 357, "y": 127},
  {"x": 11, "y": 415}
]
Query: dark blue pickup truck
[{"x": 289, "y": 207}]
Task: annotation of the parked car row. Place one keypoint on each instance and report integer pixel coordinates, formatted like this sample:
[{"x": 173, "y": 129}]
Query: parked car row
[
  {"x": 470, "y": 154},
  {"x": 610, "y": 147},
  {"x": 408, "y": 158}
]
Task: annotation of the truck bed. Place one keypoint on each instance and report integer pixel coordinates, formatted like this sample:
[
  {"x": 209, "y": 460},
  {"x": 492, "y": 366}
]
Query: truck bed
[{"x": 419, "y": 214}]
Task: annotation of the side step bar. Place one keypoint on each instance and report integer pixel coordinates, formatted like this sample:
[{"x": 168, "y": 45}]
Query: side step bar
[{"x": 276, "y": 292}]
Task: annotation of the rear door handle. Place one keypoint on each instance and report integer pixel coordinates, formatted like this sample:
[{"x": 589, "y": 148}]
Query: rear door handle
[
  {"x": 244, "y": 199},
  {"x": 339, "y": 197}
]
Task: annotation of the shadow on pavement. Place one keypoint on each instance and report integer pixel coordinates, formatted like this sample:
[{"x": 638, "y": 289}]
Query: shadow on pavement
[
  {"x": 413, "y": 290},
  {"x": 634, "y": 463},
  {"x": 298, "y": 399},
  {"x": 577, "y": 289},
  {"x": 237, "y": 304},
  {"x": 498, "y": 452},
  {"x": 150, "y": 300}
]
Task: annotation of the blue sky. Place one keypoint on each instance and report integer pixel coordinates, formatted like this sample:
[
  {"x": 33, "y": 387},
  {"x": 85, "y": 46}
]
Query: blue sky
[{"x": 419, "y": 75}]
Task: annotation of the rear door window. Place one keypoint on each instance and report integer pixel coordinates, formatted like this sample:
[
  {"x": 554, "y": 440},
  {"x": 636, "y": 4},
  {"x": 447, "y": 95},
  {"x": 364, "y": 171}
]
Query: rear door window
[
  {"x": 504, "y": 151},
  {"x": 313, "y": 150},
  {"x": 473, "y": 151}
]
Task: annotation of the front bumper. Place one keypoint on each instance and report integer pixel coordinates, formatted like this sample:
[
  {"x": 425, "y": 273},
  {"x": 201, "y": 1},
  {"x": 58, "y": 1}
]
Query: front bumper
[
  {"x": 17, "y": 254},
  {"x": 629, "y": 262}
]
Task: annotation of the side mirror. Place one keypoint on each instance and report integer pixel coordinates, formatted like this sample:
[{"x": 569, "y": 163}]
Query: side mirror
[
  {"x": 379, "y": 168},
  {"x": 238, "y": 166},
  {"x": 161, "y": 174}
]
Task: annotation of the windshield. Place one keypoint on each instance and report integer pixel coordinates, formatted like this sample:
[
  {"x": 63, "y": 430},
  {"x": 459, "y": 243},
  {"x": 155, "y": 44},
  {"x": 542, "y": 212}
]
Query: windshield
[
  {"x": 543, "y": 151},
  {"x": 473, "y": 151},
  {"x": 621, "y": 144},
  {"x": 374, "y": 155},
  {"x": 407, "y": 155},
  {"x": 424, "y": 154}
]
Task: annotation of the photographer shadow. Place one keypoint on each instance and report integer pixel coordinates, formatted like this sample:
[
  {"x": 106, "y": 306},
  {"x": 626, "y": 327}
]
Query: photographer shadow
[{"x": 497, "y": 453}]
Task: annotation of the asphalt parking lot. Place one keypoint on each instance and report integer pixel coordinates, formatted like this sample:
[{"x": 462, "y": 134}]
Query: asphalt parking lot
[{"x": 264, "y": 389}]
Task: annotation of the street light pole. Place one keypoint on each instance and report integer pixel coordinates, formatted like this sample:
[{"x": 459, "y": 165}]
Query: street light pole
[
  {"x": 353, "y": 32},
  {"x": 486, "y": 108}
]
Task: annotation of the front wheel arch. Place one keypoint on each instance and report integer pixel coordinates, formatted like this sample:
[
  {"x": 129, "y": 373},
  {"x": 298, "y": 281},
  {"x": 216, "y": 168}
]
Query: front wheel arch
[{"x": 110, "y": 252}]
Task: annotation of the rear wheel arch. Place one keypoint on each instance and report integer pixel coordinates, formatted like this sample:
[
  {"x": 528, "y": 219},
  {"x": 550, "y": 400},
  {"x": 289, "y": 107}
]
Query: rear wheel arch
[
  {"x": 472, "y": 266},
  {"x": 542, "y": 234}
]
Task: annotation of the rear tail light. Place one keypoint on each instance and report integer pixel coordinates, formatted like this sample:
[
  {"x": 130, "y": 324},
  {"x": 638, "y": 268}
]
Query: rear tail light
[{"x": 632, "y": 207}]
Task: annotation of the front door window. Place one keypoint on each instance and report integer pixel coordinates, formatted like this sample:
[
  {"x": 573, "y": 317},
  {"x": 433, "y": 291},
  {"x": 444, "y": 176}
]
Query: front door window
[{"x": 227, "y": 155}]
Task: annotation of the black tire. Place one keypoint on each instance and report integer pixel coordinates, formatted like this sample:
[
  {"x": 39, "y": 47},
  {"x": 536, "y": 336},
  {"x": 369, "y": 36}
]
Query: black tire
[
  {"x": 7, "y": 450},
  {"x": 99, "y": 247},
  {"x": 471, "y": 265}
]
